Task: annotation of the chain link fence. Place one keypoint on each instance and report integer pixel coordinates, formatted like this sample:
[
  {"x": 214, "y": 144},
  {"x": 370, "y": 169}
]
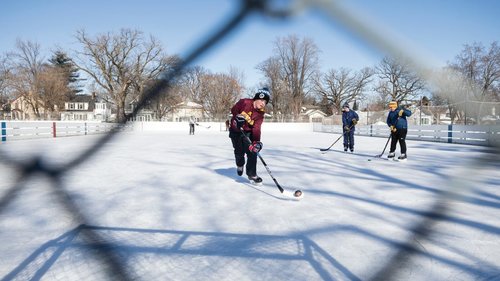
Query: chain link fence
[{"x": 102, "y": 249}]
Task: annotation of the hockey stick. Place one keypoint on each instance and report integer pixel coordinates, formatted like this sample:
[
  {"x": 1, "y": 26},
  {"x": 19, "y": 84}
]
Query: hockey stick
[
  {"x": 298, "y": 194},
  {"x": 326, "y": 149},
  {"x": 390, "y": 136},
  {"x": 203, "y": 126},
  {"x": 388, "y": 139}
]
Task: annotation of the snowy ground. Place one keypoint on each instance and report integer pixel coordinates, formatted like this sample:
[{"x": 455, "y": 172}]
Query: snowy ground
[{"x": 169, "y": 206}]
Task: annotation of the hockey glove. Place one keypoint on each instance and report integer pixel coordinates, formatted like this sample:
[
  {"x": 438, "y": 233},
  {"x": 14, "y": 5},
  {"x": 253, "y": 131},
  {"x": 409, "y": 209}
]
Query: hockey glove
[
  {"x": 239, "y": 120},
  {"x": 346, "y": 128},
  {"x": 255, "y": 147},
  {"x": 354, "y": 122},
  {"x": 401, "y": 112},
  {"x": 393, "y": 129}
]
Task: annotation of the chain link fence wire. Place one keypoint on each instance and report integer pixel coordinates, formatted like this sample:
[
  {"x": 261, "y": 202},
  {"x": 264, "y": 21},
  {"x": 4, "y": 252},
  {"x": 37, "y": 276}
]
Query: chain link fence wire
[{"x": 103, "y": 250}]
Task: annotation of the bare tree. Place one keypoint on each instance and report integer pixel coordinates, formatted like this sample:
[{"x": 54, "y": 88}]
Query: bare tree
[
  {"x": 298, "y": 60},
  {"x": 481, "y": 67},
  {"x": 27, "y": 66},
  {"x": 275, "y": 81},
  {"x": 221, "y": 91},
  {"x": 343, "y": 86},
  {"x": 191, "y": 84},
  {"x": 397, "y": 80},
  {"x": 480, "y": 70},
  {"x": 53, "y": 89},
  {"x": 449, "y": 91},
  {"x": 4, "y": 79},
  {"x": 166, "y": 101},
  {"x": 122, "y": 63}
]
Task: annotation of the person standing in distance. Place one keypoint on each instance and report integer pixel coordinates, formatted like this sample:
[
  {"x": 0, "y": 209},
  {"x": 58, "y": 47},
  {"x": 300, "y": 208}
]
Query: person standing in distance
[
  {"x": 192, "y": 122},
  {"x": 349, "y": 120},
  {"x": 248, "y": 115},
  {"x": 396, "y": 120}
]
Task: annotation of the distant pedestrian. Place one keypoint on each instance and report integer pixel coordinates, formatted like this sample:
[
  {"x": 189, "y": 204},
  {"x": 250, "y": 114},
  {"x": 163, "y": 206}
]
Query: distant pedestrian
[
  {"x": 248, "y": 115},
  {"x": 396, "y": 120},
  {"x": 192, "y": 122},
  {"x": 349, "y": 120}
]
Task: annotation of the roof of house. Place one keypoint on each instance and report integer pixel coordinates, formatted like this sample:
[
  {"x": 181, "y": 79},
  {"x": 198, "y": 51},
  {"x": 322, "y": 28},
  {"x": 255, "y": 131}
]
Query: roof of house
[
  {"x": 314, "y": 111},
  {"x": 189, "y": 104}
]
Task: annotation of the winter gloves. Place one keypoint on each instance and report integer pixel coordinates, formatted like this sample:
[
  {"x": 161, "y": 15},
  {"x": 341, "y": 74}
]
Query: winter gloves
[
  {"x": 346, "y": 128},
  {"x": 240, "y": 120},
  {"x": 401, "y": 112},
  {"x": 256, "y": 146},
  {"x": 393, "y": 129},
  {"x": 354, "y": 122}
]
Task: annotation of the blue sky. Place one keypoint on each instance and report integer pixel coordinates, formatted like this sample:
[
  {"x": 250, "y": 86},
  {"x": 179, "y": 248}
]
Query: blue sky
[{"x": 437, "y": 28}]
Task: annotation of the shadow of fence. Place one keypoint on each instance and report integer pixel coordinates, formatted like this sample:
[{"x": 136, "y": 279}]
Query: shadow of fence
[{"x": 154, "y": 254}]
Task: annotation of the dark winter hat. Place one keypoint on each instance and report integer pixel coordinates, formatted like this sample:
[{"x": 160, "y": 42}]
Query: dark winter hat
[
  {"x": 263, "y": 94},
  {"x": 346, "y": 105}
]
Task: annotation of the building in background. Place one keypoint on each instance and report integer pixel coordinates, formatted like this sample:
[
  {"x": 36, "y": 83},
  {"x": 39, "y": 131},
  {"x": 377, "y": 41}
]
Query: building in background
[{"x": 86, "y": 108}]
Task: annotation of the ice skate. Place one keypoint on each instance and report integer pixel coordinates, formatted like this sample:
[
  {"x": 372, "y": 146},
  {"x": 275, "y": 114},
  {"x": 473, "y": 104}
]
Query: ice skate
[
  {"x": 402, "y": 157},
  {"x": 255, "y": 180},
  {"x": 239, "y": 170}
]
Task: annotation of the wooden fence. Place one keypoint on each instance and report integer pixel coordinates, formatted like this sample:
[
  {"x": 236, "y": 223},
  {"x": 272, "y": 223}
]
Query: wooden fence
[
  {"x": 487, "y": 135},
  {"x": 18, "y": 130}
]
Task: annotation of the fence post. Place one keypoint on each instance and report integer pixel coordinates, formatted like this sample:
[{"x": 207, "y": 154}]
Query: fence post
[
  {"x": 4, "y": 131},
  {"x": 54, "y": 129},
  {"x": 450, "y": 133}
]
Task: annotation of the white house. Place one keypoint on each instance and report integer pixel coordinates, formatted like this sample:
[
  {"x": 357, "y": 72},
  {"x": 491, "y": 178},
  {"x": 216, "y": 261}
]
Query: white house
[
  {"x": 312, "y": 114},
  {"x": 85, "y": 108},
  {"x": 184, "y": 110}
]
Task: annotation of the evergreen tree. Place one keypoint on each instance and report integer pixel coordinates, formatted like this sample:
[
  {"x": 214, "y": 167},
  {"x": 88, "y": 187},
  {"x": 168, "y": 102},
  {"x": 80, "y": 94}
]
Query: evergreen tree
[{"x": 63, "y": 62}]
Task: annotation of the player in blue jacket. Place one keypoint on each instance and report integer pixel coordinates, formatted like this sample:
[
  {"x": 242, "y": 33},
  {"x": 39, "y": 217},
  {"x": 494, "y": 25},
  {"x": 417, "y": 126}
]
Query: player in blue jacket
[
  {"x": 396, "y": 120},
  {"x": 349, "y": 120}
]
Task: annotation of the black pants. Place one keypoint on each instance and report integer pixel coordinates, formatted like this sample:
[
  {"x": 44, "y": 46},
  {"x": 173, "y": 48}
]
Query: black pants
[
  {"x": 399, "y": 135},
  {"x": 349, "y": 139},
  {"x": 240, "y": 146},
  {"x": 191, "y": 129}
]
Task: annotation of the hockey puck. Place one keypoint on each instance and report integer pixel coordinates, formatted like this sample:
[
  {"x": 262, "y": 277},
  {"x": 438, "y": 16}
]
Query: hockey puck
[
  {"x": 297, "y": 193},
  {"x": 369, "y": 159}
]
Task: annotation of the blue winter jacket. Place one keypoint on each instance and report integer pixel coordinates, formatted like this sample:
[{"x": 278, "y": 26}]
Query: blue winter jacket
[
  {"x": 347, "y": 117},
  {"x": 393, "y": 119}
]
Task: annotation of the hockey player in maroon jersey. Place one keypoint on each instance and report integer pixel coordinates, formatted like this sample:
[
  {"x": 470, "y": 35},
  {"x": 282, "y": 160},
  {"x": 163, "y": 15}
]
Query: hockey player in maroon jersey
[{"x": 248, "y": 115}]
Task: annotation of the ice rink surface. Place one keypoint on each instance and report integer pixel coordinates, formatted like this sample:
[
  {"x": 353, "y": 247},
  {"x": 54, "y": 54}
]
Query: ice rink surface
[{"x": 169, "y": 206}]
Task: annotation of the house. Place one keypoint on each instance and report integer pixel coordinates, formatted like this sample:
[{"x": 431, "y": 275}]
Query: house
[
  {"x": 186, "y": 109},
  {"x": 312, "y": 114},
  {"x": 144, "y": 114},
  {"x": 85, "y": 108},
  {"x": 21, "y": 109},
  {"x": 181, "y": 112}
]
